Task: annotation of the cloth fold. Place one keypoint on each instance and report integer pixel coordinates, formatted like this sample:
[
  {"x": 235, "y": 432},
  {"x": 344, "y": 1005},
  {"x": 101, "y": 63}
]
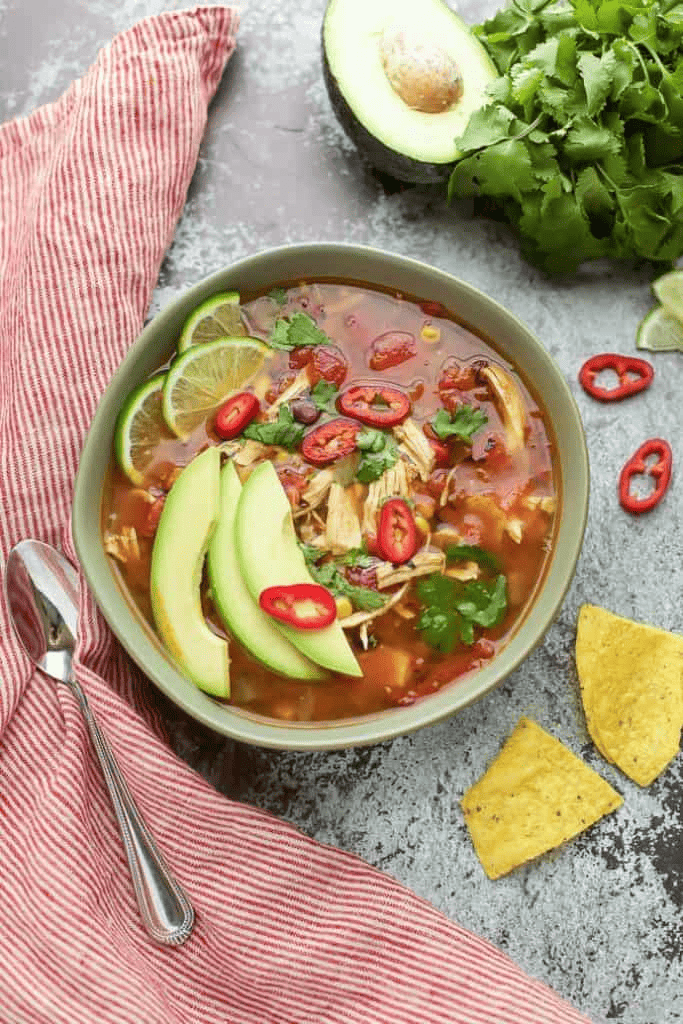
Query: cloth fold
[{"x": 288, "y": 931}]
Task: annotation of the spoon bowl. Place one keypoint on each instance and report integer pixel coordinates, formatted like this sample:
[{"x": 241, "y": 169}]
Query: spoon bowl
[{"x": 42, "y": 590}]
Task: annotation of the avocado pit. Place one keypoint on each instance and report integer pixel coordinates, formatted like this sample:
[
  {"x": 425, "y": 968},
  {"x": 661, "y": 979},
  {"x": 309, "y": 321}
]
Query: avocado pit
[{"x": 420, "y": 71}]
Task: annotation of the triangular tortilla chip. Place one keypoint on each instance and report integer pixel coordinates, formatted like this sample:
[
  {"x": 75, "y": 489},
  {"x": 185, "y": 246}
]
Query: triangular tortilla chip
[
  {"x": 631, "y": 678},
  {"x": 533, "y": 797}
]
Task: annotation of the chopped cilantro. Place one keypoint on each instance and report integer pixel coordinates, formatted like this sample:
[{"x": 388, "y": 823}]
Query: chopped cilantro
[
  {"x": 324, "y": 395},
  {"x": 358, "y": 557},
  {"x": 472, "y": 553},
  {"x": 379, "y": 452},
  {"x": 278, "y": 295},
  {"x": 329, "y": 575},
  {"x": 580, "y": 145},
  {"x": 451, "y": 610},
  {"x": 283, "y": 431},
  {"x": 465, "y": 422},
  {"x": 296, "y": 330}
]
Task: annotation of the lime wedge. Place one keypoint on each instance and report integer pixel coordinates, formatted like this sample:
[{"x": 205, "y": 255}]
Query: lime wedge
[
  {"x": 140, "y": 427},
  {"x": 217, "y": 317},
  {"x": 669, "y": 290},
  {"x": 201, "y": 379},
  {"x": 659, "y": 331}
]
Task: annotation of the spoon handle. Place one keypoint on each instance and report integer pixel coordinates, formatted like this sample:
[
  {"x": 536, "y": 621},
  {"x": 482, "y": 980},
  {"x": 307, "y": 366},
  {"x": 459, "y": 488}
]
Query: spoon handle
[{"x": 164, "y": 907}]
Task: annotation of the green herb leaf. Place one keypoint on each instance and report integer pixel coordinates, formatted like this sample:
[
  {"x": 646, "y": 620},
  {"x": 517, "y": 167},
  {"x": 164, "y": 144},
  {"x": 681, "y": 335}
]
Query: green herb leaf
[
  {"x": 296, "y": 330},
  {"x": 463, "y": 424},
  {"x": 324, "y": 395},
  {"x": 329, "y": 575},
  {"x": 586, "y": 86},
  {"x": 379, "y": 452},
  {"x": 472, "y": 553},
  {"x": 283, "y": 431},
  {"x": 451, "y": 610},
  {"x": 278, "y": 295}
]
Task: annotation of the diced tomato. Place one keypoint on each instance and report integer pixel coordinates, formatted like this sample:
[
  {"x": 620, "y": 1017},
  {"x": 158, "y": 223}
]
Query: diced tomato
[
  {"x": 324, "y": 362},
  {"x": 148, "y": 527},
  {"x": 293, "y": 482},
  {"x": 455, "y": 379},
  {"x": 391, "y": 349},
  {"x": 397, "y": 538},
  {"x": 328, "y": 363},
  {"x": 433, "y": 309},
  {"x": 441, "y": 449},
  {"x": 330, "y": 441},
  {"x": 376, "y": 405},
  {"x": 234, "y": 415}
]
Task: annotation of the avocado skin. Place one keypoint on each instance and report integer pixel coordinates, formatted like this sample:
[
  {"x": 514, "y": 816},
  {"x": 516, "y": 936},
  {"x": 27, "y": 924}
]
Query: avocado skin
[{"x": 386, "y": 160}]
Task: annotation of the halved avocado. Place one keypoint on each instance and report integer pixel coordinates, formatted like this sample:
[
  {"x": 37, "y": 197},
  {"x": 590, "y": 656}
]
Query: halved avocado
[
  {"x": 186, "y": 526},
  {"x": 403, "y": 79}
]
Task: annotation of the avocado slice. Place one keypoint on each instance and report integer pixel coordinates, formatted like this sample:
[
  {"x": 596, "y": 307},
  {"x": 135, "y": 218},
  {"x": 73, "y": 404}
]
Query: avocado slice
[
  {"x": 403, "y": 81},
  {"x": 188, "y": 519},
  {"x": 269, "y": 555},
  {"x": 234, "y": 603}
]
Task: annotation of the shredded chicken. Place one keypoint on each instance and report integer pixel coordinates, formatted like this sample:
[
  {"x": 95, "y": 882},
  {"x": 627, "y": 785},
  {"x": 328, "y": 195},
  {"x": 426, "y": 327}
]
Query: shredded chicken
[
  {"x": 509, "y": 403},
  {"x": 544, "y": 502},
  {"x": 362, "y": 618},
  {"x": 393, "y": 483},
  {"x": 515, "y": 529},
  {"x": 415, "y": 447},
  {"x": 300, "y": 384},
  {"x": 123, "y": 546},
  {"x": 421, "y": 564},
  {"x": 250, "y": 452},
  {"x": 464, "y": 572},
  {"x": 343, "y": 472},
  {"x": 342, "y": 529}
]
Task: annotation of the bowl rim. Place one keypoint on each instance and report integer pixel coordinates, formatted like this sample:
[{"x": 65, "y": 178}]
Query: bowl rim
[{"x": 140, "y": 641}]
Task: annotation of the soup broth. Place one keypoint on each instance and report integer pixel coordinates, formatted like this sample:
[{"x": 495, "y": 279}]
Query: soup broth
[{"x": 439, "y": 425}]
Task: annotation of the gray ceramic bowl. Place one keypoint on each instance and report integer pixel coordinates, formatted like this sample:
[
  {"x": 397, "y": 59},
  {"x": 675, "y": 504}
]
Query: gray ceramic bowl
[{"x": 356, "y": 263}]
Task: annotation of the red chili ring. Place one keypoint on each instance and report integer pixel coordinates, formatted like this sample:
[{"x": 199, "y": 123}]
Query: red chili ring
[
  {"x": 637, "y": 465},
  {"x": 302, "y": 605},
  {"x": 376, "y": 405},
  {"x": 623, "y": 366}
]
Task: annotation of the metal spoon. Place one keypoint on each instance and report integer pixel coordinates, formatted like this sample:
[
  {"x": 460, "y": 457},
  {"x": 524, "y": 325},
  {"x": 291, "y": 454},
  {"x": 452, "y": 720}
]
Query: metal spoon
[{"x": 42, "y": 594}]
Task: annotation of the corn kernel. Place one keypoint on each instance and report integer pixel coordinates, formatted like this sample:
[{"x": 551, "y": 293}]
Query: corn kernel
[
  {"x": 344, "y": 607},
  {"x": 423, "y": 525},
  {"x": 430, "y": 333}
]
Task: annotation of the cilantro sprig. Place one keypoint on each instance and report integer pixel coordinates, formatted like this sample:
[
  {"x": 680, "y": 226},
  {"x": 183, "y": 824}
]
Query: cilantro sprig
[
  {"x": 581, "y": 143},
  {"x": 464, "y": 423},
  {"x": 296, "y": 330},
  {"x": 451, "y": 610},
  {"x": 324, "y": 395},
  {"x": 378, "y": 452},
  {"x": 329, "y": 575},
  {"x": 283, "y": 431}
]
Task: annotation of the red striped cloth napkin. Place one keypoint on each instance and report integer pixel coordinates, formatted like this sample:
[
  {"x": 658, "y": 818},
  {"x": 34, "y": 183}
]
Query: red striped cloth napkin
[{"x": 288, "y": 931}]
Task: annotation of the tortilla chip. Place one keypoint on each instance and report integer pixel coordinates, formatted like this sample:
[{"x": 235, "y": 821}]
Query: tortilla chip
[
  {"x": 631, "y": 678},
  {"x": 533, "y": 797}
]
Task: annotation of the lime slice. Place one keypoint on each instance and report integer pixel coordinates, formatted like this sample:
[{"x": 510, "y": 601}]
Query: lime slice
[
  {"x": 669, "y": 290},
  {"x": 217, "y": 317},
  {"x": 140, "y": 427},
  {"x": 201, "y": 379},
  {"x": 659, "y": 331}
]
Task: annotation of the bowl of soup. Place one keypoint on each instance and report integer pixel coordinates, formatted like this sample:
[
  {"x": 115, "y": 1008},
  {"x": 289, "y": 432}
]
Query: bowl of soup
[{"x": 331, "y": 495}]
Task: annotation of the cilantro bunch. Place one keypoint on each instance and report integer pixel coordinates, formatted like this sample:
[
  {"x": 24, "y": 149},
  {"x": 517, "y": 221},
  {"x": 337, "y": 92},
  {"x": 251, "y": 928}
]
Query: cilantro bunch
[{"x": 581, "y": 144}]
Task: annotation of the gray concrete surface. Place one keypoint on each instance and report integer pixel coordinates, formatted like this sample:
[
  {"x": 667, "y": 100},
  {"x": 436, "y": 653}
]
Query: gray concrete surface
[{"x": 600, "y": 920}]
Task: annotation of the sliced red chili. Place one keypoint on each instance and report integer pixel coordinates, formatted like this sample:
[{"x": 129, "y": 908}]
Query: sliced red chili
[
  {"x": 330, "y": 441},
  {"x": 234, "y": 415},
  {"x": 397, "y": 537},
  {"x": 376, "y": 405},
  {"x": 634, "y": 375},
  {"x": 303, "y": 605},
  {"x": 391, "y": 349},
  {"x": 638, "y": 465}
]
